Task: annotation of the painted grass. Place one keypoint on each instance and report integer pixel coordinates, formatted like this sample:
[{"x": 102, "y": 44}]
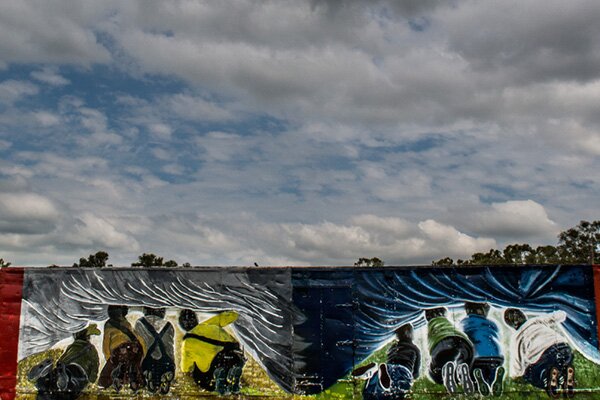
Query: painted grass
[
  {"x": 257, "y": 385},
  {"x": 587, "y": 380}
]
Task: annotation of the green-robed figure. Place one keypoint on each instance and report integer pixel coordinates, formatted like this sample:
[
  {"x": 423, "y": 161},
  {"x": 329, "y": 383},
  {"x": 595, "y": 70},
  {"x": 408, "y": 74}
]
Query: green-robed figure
[
  {"x": 451, "y": 353},
  {"x": 75, "y": 369}
]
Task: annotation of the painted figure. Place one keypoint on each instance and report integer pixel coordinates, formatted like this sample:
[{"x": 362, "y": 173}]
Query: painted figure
[
  {"x": 74, "y": 370},
  {"x": 487, "y": 369},
  {"x": 451, "y": 353},
  {"x": 210, "y": 353},
  {"x": 123, "y": 350},
  {"x": 158, "y": 365},
  {"x": 394, "y": 379},
  {"x": 543, "y": 356}
]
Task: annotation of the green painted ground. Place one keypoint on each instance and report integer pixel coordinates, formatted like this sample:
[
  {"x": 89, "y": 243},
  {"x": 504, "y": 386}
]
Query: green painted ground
[
  {"x": 587, "y": 379},
  {"x": 257, "y": 385}
]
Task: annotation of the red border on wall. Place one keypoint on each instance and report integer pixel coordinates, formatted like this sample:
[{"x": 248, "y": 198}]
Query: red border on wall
[
  {"x": 596, "y": 268},
  {"x": 11, "y": 290}
]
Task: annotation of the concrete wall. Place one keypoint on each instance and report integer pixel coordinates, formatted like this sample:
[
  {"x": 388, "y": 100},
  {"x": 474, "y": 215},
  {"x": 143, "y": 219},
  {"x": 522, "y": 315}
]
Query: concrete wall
[{"x": 372, "y": 333}]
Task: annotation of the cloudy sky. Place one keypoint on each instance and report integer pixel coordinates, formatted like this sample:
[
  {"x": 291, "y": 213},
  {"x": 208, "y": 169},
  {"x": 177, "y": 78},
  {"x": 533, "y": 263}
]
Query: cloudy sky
[{"x": 295, "y": 132}]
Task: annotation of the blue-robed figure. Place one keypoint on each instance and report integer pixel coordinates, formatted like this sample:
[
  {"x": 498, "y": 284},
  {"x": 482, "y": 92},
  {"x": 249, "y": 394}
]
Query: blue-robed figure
[{"x": 488, "y": 359}]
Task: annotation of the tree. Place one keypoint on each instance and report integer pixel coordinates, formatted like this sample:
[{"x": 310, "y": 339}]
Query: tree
[
  {"x": 97, "y": 260},
  {"x": 443, "y": 262},
  {"x": 578, "y": 244},
  {"x": 492, "y": 257},
  {"x": 518, "y": 254},
  {"x": 547, "y": 255},
  {"x": 4, "y": 264},
  {"x": 152, "y": 260},
  {"x": 369, "y": 262},
  {"x": 512, "y": 254}
]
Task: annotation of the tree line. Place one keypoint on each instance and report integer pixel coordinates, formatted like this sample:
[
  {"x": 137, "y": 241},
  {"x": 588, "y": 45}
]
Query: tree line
[
  {"x": 100, "y": 259},
  {"x": 577, "y": 245}
]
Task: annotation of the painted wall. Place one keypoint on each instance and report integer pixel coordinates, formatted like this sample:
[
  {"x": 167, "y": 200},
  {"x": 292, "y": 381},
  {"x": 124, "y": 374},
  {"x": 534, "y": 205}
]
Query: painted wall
[{"x": 354, "y": 333}]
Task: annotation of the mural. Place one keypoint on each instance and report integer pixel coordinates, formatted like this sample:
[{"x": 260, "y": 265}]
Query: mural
[{"x": 340, "y": 333}]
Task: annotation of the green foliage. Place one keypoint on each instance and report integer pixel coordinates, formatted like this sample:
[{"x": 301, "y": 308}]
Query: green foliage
[
  {"x": 97, "y": 260},
  {"x": 152, "y": 260},
  {"x": 492, "y": 257},
  {"x": 4, "y": 264},
  {"x": 443, "y": 261},
  {"x": 170, "y": 263},
  {"x": 576, "y": 246},
  {"x": 369, "y": 262}
]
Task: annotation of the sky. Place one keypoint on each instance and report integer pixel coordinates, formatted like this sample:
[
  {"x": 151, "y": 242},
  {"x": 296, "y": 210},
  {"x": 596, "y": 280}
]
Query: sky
[{"x": 295, "y": 132}]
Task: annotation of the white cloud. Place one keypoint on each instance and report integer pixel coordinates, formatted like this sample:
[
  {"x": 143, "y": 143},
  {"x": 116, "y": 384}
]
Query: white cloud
[
  {"x": 222, "y": 146},
  {"x": 160, "y": 131},
  {"x": 395, "y": 240},
  {"x": 517, "y": 219},
  {"x": 50, "y": 76},
  {"x": 27, "y": 213},
  {"x": 27, "y": 205},
  {"x": 46, "y": 118},
  {"x": 96, "y": 122},
  {"x": 173, "y": 169},
  {"x": 391, "y": 226},
  {"x": 51, "y": 32},
  {"x": 50, "y": 164},
  {"x": 197, "y": 109},
  {"x": 337, "y": 127},
  {"x": 161, "y": 154},
  {"x": 92, "y": 119},
  {"x": 13, "y": 90},
  {"x": 448, "y": 241},
  {"x": 5, "y": 144},
  {"x": 91, "y": 231}
]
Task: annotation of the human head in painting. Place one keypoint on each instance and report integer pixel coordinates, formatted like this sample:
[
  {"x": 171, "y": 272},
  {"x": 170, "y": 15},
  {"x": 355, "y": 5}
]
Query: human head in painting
[
  {"x": 514, "y": 318},
  {"x": 188, "y": 319},
  {"x": 405, "y": 333},
  {"x": 481, "y": 309},
  {"x": 157, "y": 312},
  {"x": 117, "y": 312}
]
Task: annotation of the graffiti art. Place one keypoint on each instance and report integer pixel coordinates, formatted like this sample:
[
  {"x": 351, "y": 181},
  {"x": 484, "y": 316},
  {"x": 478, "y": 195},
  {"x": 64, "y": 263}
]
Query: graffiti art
[{"x": 326, "y": 333}]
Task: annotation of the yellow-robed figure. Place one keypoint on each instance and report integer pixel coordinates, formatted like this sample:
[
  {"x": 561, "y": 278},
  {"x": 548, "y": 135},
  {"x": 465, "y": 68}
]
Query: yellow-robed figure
[{"x": 210, "y": 353}]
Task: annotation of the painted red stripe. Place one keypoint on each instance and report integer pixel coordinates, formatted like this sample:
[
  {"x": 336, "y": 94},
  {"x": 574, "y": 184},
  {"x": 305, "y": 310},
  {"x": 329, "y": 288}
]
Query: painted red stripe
[
  {"x": 11, "y": 289},
  {"x": 597, "y": 294}
]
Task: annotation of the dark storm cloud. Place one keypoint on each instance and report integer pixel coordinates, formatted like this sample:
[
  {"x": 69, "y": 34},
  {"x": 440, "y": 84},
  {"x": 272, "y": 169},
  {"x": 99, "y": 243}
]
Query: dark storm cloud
[{"x": 528, "y": 42}]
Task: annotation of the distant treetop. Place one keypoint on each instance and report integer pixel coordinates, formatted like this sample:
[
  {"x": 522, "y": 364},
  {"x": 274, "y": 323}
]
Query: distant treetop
[
  {"x": 97, "y": 260},
  {"x": 152, "y": 260},
  {"x": 369, "y": 262},
  {"x": 577, "y": 245}
]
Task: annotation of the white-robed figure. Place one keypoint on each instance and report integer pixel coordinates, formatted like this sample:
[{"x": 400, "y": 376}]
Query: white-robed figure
[{"x": 543, "y": 355}]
